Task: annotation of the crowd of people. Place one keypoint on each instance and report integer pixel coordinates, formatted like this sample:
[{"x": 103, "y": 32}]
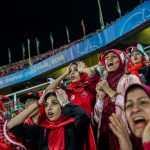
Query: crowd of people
[
  {"x": 23, "y": 64},
  {"x": 104, "y": 108}
]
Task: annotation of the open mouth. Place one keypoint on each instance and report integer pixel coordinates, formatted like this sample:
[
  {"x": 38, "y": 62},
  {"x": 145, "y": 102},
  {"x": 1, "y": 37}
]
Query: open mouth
[
  {"x": 110, "y": 64},
  {"x": 50, "y": 114},
  {"x": 72, "y": 77},
  {"x": 139, "y": 122}
]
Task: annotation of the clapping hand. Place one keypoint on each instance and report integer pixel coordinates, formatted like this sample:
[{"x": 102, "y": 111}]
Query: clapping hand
[{"x": 117, "y": 126}]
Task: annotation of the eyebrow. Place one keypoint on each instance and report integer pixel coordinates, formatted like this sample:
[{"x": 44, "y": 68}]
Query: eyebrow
[{"x": 137, "y": 98}]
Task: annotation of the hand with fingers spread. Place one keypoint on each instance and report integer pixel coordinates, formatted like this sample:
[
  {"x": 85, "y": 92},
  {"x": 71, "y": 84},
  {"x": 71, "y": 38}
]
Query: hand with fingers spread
[
  {"x": 119, "y": 129},
  {"x": 62, "y": 97},
  {"x": 81, "y": 67}
]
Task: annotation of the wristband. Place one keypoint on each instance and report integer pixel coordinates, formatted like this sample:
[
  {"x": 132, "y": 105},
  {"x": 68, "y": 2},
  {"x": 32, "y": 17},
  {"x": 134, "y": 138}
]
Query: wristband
[{"x": 113, "y": 99}]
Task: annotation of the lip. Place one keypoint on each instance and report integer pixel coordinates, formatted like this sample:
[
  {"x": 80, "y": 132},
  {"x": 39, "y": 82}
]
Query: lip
[
  {"x": 50, "y": 114},
  {"x": 139, "y": 122},
  {"x": 110, "y": 64},
  {"x": 72, "y": 77}
]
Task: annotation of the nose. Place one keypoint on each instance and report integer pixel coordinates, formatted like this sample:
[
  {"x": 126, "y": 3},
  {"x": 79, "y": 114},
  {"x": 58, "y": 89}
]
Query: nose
[
  {"x": 136, "y": 108},
  {"x": 49, "y": 107}
]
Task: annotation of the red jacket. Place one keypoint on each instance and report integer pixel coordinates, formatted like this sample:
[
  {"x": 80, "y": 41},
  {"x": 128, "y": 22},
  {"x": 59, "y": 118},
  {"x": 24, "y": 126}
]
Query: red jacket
[{"x": 84, "y": 94}]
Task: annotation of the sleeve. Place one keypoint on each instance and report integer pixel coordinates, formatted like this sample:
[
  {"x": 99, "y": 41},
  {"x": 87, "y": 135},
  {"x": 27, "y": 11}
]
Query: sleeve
[
  {"x": 146, "y": 146},
  {"x": 29, "y": 135},
  {"x": 98, "y": 111},
  {"x": 72, "y": 110}
]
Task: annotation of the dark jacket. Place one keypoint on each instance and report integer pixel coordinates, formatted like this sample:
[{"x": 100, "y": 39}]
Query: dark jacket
[
  {"x": 145, "y": 71},
  {"x": 75, "y": 134}
]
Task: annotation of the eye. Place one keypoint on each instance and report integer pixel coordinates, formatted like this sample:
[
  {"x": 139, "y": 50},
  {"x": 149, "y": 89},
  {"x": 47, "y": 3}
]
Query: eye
[
  {"x": 144, "y": 101},
  {"x": 115, "y": 56},
  {"x": 128, "y": 105},
  {"x": 55, "y": 102},
  {"x": 106, "y": 57}
]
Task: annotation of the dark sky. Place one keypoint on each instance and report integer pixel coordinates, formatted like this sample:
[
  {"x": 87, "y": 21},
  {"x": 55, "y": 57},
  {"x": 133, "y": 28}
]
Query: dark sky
[{"x": 22, "y": 19}]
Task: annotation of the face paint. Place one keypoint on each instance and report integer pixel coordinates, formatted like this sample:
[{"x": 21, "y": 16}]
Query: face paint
[{"x": 117, "y": 61}]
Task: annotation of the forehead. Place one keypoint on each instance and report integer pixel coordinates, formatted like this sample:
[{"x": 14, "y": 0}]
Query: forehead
[
  {"x": 136, "y": 94},
  {"x": 51, "y": 98},
  {"x": 73, "y": 66},
  {"x": 111, "y": 53}
]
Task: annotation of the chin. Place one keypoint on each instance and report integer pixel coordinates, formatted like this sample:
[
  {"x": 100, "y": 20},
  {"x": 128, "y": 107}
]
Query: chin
[{"x": 138, "y": 133}]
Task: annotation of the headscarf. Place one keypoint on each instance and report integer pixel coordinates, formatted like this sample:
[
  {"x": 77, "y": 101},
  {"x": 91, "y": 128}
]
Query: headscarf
[
  {"x": 78, "y": 87},
  {"x": 137, "y": 142},
  {"x": 56, "y": 138}
]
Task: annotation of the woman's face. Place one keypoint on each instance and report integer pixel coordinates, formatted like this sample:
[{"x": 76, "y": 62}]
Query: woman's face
[
  {"x": 137, "y": 108},
  {"x": 112, "y": 62},
  {"x": 74, "y": 73},
  {"x": 52, "y": 108},
  {"x": 136, "y": 57}
]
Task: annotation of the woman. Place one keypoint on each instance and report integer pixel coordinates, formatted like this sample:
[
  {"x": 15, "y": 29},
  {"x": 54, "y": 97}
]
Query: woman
[
  {"x": 81, "y": 90},
  {"x": 64, "y": 125},
  {"x": 140, "y": 63},
  {"x": 110, "y": 98},
  {"x": 137, "y": 109}
]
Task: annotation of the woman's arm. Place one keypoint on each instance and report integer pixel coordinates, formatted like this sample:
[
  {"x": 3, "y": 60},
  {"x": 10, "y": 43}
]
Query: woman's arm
[
  {"x": 20, "y": 118},
  {"x": 55, "y": 83}
]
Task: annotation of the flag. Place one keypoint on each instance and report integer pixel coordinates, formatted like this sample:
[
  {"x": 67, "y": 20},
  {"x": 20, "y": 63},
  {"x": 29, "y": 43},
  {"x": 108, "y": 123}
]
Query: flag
[
  {"x": 83, "y": 27},
  {"x": 67, "y": 32},
  {"x": 30, "y": 62},
  {"x": 23, "y": 51},
  {"x": 37, "y": 46},
  {"x": 100, "y": 15},
  {"x": 52, "y": 41},
  {"x": 9, "y": 55},
  {"x": 118, "y": 8}
]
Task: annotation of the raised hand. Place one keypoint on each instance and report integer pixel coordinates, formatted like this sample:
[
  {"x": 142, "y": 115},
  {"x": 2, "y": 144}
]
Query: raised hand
[
  {"x": 81, "y": 66},
  {"x": 119, "y": 129},
  {"x": 100, "y": 94},
  {"x": 68, "y": 70},
  {"x": 62, "y": 97}
]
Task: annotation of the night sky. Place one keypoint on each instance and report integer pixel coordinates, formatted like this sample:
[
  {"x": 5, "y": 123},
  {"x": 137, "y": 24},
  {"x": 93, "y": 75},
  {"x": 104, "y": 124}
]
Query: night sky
[{"x": 23, "y": 19}]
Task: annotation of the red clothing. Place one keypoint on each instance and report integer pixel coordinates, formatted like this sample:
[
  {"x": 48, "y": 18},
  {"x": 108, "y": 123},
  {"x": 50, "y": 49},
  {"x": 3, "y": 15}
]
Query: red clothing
[
  {"x": 83, "y": 93},
  {"x": 146, "y": 146},
  {"x": 29, "y": 121},
  {"x": 7, "y": 140}
]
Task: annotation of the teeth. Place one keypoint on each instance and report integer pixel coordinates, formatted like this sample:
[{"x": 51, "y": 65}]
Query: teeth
[
  {"x": 138, "y": 118},
  {"x": 110, "y": 64}
]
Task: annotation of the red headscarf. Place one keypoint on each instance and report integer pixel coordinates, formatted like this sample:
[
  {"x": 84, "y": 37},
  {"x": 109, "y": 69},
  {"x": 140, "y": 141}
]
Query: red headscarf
[
  {"x": 77, "y": 86},
  {"x": 56, "y": 138},
  {"x": 1, "y": 105}
]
